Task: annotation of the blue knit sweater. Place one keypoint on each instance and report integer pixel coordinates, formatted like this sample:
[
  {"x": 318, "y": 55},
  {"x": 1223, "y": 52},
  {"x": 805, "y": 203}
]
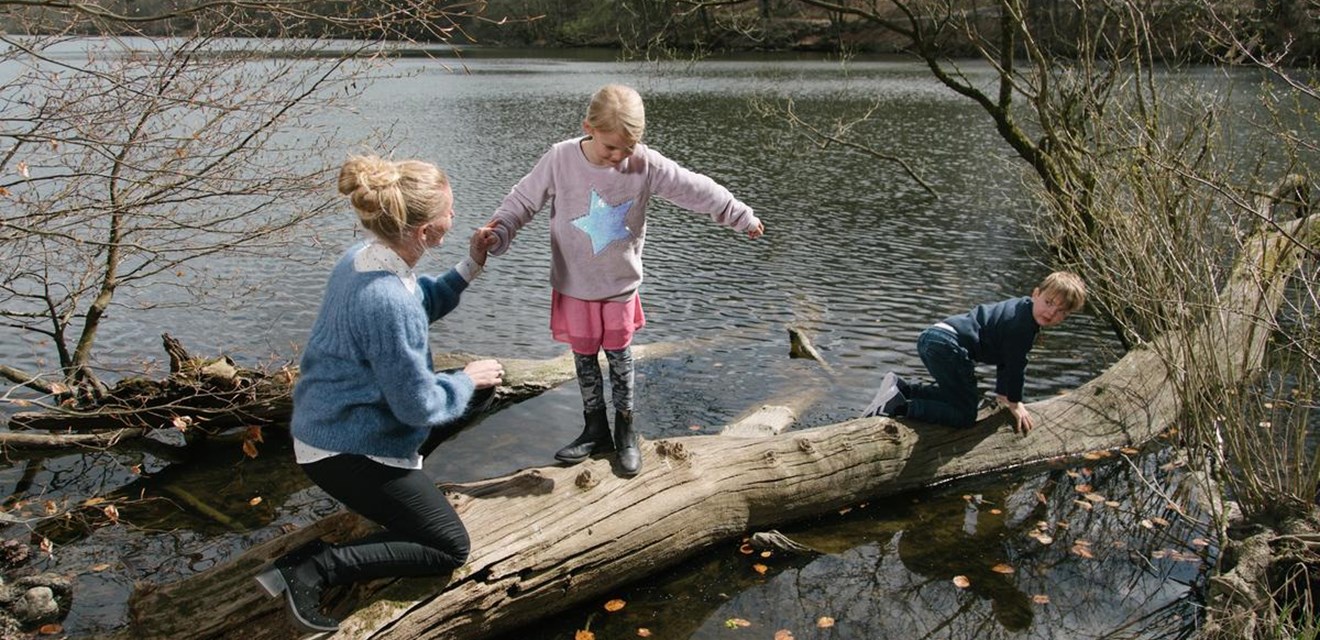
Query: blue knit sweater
[{"x": 367, "y": 383}]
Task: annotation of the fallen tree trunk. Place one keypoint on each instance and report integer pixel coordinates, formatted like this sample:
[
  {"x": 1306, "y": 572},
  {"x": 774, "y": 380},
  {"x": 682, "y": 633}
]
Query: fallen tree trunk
[
  {"x": 546, "y": 539},
  {"x": 213, "y": 395}
]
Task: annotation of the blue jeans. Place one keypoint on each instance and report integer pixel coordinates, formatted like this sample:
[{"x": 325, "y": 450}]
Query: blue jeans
[{"x": 951, "y": 400}]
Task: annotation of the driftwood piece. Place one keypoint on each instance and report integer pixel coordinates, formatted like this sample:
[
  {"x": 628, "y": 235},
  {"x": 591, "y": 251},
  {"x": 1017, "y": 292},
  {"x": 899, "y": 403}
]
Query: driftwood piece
[
  {"x": 213, "y": 395},
  {"x": 546, "y": 539},
  {"x": 94, "y": 440},
  {"x": 800, "y": 346}
]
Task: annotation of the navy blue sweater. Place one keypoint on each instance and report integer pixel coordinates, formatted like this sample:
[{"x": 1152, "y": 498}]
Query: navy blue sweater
[{"x": 1000, "y": 334}]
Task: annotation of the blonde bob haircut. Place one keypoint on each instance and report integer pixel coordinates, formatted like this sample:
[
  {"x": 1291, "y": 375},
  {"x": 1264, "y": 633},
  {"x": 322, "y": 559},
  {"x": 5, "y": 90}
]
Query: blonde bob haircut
[{"x": 617, "y": 108}]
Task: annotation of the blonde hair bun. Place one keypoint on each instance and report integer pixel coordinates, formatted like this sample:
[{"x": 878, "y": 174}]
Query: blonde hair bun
[{"x": 390, "y": 196}]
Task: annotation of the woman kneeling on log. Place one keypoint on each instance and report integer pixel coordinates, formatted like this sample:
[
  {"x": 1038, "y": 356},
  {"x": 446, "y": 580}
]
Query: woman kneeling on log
[{"x": 368, "y": 404}]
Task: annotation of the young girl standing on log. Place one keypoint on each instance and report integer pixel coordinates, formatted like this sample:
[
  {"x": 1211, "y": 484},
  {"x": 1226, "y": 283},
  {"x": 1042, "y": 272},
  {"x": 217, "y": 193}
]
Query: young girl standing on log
[
  {"x": 599, "y": 185},
  {"x": 368, "y": 403}
]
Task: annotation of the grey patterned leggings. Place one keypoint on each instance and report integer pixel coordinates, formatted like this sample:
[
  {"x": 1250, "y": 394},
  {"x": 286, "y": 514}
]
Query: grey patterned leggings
[{"x": 593, "y": 387}]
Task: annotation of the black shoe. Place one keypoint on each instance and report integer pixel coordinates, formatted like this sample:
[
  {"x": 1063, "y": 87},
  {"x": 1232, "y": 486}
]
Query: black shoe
[
  {"x": 303, "y": 597},
  {"x": 595, "y": 438},
  {"x": 625, "y": 440}
]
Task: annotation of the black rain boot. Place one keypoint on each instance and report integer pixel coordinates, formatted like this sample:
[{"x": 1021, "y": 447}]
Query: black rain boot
[
  {"x": 625, "y": 440},
  {"x": 595, "y": 438}
]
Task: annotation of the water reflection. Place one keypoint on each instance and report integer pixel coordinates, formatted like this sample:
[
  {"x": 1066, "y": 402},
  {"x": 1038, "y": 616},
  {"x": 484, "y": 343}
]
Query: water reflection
[{"x": 1039, "y": 558}]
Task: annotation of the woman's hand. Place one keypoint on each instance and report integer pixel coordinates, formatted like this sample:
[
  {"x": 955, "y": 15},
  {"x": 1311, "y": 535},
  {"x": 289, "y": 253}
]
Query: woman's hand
[
  {"x": 485, "y": 373},
  {"x": 482, "y": 240}
]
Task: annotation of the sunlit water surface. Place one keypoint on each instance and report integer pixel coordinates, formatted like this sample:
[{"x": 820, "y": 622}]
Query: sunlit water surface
[{"x": 855, "y": 253}]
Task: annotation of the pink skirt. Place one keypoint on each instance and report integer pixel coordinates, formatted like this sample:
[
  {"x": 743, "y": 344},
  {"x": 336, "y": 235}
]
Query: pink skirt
[{"x": 588, "y": 325}]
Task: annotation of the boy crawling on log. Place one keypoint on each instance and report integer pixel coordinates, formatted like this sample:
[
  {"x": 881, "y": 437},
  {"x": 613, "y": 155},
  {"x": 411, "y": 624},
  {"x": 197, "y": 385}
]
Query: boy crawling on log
[{"x": 1001, "y": 334}]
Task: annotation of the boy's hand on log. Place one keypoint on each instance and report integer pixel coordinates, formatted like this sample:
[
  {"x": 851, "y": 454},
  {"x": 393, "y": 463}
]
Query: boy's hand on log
[{"x": 1023, "y": 423}]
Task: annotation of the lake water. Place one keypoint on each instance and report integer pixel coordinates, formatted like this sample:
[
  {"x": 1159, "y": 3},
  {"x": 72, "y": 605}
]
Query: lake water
[{"x": 855, "y": 253}]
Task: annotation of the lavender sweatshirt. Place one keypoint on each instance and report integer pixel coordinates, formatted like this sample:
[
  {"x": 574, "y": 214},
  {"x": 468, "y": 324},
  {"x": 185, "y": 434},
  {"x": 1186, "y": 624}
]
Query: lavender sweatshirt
[{"x": 598, "y": 214}]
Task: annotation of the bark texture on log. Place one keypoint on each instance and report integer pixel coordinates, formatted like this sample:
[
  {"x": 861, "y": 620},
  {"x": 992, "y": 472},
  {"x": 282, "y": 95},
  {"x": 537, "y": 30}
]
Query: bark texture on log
[{"x": 546, "y": 539}]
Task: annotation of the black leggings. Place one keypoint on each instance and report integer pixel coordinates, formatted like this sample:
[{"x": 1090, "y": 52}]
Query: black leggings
[{"x": 423, "y": 534}]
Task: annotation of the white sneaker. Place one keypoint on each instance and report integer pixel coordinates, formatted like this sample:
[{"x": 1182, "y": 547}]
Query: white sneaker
[{"x": 888, "y": 389}]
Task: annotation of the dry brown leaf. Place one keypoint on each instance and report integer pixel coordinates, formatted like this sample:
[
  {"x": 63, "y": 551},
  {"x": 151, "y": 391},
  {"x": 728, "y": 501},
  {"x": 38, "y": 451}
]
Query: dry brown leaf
[
  {"x": 1130, "y": 451},
  {"x": 111, "y": 512},
  {"x": 1040, "y": 598},
  {"x": 254, "y": 502},
  {"x": 746, "y": 549},
  {"x": 583, "y": 634},
  {"x": 1083, "y": 488},
  {"x": 783, "y": 634},
  {"x": 996, "y": 512},
  {"x": 1095, "y": 497},
  {"x": 1160, "y": 521},
  {"x": 97, "y": 568},
  {"x": 50, "y": 629},
  {"x": 760, "y": 568},
  {"x": 961, "y": 582},
  {"x": 824, "y": 622},
  {"x": 614, "y": 605},
  {"x": 735, "y": 623},
  {"x": 643, "y": 632},
  {"x": 767, "y": 554},
  {"x": 1002, "y": 568},
  {"x": 1084, "y": 505},
  {"x": 249, "y": 448},
  {"x": 1200, "y": 542}
]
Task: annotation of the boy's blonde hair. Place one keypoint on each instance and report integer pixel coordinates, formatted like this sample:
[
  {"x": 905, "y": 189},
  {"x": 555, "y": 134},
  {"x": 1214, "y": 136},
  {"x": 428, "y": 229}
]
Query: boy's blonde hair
[
  {"x": 1066, "y": 285},
  {"x": 391, "y": 197},
  {"x": 617, "y": 108}
]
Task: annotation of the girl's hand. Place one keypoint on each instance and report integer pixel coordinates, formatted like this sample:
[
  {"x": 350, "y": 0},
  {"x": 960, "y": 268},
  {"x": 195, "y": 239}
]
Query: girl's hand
[
  {"x": 482, "y": 240},
  {"x": 485, "y": 373},
  {"x": 757, "y": 231}
]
